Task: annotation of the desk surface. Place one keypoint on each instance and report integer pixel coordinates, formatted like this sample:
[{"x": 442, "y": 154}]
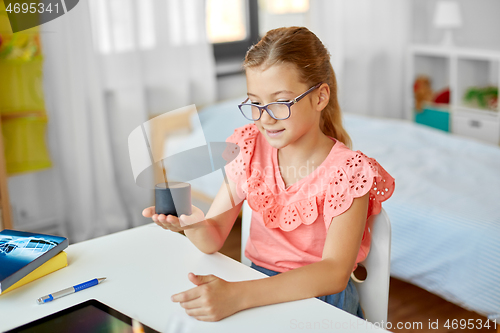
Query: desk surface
[{"x": 144, "y": 266}]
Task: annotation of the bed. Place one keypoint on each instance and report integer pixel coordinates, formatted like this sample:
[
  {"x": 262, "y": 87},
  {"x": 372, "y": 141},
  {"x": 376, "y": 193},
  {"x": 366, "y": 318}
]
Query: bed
[{"x": 444, "y": 211}]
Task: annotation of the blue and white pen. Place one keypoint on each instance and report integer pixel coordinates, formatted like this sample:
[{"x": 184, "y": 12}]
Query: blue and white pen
[{"x": 69, "y": 290}]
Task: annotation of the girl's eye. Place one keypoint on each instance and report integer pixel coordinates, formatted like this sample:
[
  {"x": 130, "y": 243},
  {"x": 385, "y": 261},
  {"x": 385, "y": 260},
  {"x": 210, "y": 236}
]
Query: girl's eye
[
  {"x": 255, "y": 103},
  {"x": 283, "y": 100}
]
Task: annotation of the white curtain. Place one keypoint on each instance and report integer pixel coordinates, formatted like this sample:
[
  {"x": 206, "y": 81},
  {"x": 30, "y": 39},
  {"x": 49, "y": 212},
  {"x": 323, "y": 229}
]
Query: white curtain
[
  {"x": 109, "y": 66},
  {"x": 367, "y": 40}
]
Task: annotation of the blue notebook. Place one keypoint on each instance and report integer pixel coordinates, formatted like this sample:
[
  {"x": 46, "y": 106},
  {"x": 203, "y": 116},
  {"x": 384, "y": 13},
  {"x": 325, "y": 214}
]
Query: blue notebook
[{"x": 22, "y": 252}]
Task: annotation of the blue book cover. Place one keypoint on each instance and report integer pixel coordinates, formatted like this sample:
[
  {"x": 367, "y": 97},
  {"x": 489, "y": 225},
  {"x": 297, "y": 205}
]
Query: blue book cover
[{"x": 22, "y": 252}]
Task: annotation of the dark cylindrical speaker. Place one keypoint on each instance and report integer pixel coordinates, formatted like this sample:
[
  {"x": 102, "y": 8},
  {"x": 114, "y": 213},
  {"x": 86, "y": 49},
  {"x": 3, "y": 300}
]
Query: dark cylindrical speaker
[{"x": 173, "y": 198}]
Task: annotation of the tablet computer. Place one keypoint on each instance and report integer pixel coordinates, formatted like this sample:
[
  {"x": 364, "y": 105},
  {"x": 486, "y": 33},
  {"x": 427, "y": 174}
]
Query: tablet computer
[{"x": 89, "y": 316}]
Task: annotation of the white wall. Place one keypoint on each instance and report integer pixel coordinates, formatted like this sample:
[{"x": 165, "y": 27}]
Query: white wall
[
  {"x": 375, "y": 36},
  {"x": 481, "y": 24}
]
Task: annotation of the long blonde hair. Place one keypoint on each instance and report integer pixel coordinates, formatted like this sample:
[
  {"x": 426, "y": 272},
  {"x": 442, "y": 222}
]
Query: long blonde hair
[{"x": 302, "y": 48}]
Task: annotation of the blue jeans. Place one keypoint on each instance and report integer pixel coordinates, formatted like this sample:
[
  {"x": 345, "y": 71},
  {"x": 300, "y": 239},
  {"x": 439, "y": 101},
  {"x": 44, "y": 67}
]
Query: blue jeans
[{"x": 347, "y": 300}]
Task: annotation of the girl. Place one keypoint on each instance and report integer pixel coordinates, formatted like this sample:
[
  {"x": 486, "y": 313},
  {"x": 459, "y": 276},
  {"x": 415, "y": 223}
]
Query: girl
[{"x": 308, "y": 228}]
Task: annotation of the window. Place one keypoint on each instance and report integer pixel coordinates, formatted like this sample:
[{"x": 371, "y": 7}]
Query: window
[
  {"x": 284, "y": 6},
  {"x": 232, "y": 27},
  {"x": 226, "y": 21},
  {"x": 282, "y": 13}
]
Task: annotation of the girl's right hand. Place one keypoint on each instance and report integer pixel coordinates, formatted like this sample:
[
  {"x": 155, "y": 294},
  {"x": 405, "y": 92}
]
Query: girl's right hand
[{"x": 173, "y": 223}]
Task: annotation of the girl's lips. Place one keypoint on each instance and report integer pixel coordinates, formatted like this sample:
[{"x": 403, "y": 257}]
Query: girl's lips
[{"x": 274, "y": 133}]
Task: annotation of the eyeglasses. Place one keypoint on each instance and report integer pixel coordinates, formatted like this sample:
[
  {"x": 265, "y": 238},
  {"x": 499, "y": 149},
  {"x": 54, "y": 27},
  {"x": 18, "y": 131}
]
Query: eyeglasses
[{"x": 277, "y": 110}]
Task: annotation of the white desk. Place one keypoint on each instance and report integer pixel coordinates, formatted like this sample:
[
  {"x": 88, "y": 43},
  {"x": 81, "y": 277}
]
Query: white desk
[{"x": 144, "y": 266}]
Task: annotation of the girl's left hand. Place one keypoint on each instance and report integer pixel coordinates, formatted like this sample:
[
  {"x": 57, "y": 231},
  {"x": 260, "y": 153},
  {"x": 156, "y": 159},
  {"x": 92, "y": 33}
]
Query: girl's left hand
[{"x": 211, "y": 300}]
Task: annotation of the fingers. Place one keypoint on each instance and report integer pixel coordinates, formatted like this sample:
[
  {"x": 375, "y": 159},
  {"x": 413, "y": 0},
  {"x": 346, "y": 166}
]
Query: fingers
[
  {"x": 196, "y": 216},
  {"x": 166, "y": 218},
  {"x": 207, "y": 301},
  {"x": 197, "y": 312},
  {"x": 187, "y": 296},
  {"x": 184, "y": 220},
  {"x": 151, "y": 212},
  {"x": 174, "y": 223},
  {"x": 196, "y": 307},
  {"x": 201, "y": 279},
  {"x": 192, "y": 305},
  {"x": 148, "y": 212},
  {"x": 169, "y": 222},
  {"x": 204, "y": 318}
]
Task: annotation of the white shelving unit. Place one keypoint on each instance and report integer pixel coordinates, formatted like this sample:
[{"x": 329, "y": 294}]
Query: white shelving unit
[{"x": 459, "y": 69}]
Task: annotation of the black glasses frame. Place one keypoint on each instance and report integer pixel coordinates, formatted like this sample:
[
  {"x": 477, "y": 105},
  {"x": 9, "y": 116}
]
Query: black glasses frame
[{"x": 265, "y": 107}]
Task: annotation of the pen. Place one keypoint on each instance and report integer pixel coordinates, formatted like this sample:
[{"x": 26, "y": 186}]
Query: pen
[{"x": 70, "y": 290}]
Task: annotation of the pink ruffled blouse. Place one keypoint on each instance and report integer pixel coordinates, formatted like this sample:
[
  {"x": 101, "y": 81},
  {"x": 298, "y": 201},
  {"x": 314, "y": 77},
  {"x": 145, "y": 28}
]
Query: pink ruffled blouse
[{"x": 289, "y": 225}]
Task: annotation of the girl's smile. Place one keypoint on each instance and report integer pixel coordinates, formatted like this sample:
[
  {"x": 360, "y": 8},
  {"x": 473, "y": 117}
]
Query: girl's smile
[{"x": 274, "y": 133}]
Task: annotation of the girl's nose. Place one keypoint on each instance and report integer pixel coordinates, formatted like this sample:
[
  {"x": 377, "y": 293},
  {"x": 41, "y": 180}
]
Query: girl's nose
[{"x": 266, "y": 118}]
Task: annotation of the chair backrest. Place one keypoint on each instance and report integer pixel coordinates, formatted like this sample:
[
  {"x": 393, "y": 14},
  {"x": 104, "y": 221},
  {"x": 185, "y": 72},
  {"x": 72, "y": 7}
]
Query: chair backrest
[
  {"x": 374, "y": 290},
  {"x": 246, "y": 213}
]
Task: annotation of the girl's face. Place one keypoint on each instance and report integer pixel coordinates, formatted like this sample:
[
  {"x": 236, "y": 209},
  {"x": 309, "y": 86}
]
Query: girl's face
[{"x": 280, "y": 83}]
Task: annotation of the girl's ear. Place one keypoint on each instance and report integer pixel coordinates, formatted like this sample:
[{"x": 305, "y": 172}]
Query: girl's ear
[{"x": 324, "y": 96}]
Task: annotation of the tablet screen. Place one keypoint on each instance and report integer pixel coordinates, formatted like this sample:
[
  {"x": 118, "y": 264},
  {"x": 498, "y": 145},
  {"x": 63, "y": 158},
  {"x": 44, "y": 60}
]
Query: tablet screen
[{"x": 90, "y": 316}]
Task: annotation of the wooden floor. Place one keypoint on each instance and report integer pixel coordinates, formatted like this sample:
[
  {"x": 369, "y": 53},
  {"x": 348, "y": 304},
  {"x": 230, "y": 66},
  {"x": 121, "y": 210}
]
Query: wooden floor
[{"x": 410, "y": 306}]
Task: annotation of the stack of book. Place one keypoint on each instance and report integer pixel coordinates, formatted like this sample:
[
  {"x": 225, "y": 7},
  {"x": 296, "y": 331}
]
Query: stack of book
[{"x": 26, "y": 256}]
